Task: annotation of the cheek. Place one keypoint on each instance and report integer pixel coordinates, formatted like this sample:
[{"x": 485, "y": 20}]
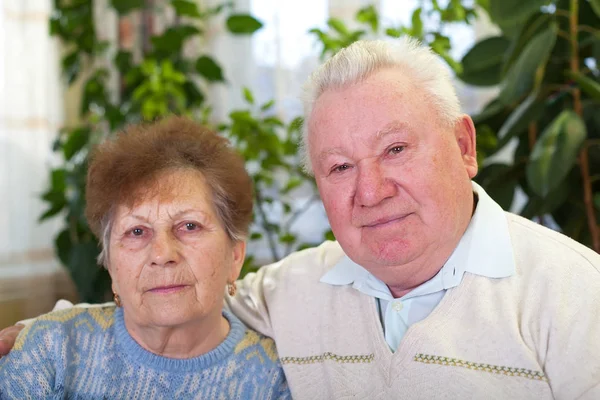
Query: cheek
[
  {"x": 337, "y": 208},
  {"x": 209, "y": 264},
  {"x": 125, "y": 267}
]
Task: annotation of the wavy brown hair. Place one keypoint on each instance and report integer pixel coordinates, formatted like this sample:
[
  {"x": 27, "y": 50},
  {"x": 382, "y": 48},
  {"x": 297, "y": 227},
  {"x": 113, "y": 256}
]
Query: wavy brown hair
[{"x": 123, "y": 167}]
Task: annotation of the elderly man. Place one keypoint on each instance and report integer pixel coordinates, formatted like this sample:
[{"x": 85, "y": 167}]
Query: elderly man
[{"x": 431, "y": 290}]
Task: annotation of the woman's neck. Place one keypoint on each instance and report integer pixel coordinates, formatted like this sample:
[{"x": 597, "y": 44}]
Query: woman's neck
[{"x": 184, "y": 341}]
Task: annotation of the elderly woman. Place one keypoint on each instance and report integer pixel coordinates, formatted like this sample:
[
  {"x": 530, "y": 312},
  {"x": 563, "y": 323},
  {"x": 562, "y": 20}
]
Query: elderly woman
[{"x": 171, "y": 203}]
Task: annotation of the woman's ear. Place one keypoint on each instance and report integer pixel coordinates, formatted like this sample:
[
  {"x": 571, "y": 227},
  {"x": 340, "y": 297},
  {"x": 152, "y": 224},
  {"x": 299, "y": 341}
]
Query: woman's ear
[{"x": 239, "y": 255}]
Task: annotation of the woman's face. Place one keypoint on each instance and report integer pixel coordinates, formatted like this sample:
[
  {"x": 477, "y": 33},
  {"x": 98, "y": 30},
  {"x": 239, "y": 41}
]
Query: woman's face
[{"x": 170, "y": 257}]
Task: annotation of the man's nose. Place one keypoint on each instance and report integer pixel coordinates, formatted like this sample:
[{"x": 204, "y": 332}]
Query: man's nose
[{"x": 372, "y": 187}]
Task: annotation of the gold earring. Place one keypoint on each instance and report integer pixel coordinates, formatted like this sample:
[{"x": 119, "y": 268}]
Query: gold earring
[
  {"x": 231, "y": 289},
  {"x": 117, "y": 299}
]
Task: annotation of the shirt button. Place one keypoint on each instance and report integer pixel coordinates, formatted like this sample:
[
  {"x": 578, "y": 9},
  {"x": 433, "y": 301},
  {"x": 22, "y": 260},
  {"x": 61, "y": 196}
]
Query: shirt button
[{"x": 397, "y": 306}]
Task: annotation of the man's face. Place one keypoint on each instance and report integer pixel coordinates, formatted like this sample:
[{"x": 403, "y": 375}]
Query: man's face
[{"x": 394, "y": 179}]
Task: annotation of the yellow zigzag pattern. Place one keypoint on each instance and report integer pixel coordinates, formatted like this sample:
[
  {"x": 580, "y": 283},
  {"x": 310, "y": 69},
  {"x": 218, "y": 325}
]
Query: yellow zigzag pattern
[
  {"x": 252, "y": 338},
  {"x": 104, "y": 317}
]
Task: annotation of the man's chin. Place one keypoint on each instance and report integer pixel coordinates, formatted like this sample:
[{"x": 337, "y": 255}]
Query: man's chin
[{"x": 389, "y": 253}]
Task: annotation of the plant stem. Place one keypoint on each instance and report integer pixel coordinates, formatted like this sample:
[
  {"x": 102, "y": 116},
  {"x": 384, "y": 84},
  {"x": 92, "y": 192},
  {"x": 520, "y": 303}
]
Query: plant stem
[
  {"x": 588, "y": 198},
  {"x": 265, "y": 223},
  {"x": 573, "y": 21},
  {"x": 532, "y": 134},
  {"x": 583, "y": 155},
  {"x": 589, "y": 29},
  {"x": 296, "y": 215}
]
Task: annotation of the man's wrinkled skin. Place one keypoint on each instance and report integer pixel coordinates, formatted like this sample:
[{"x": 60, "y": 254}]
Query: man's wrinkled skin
[{"x": 7, "y": 338}]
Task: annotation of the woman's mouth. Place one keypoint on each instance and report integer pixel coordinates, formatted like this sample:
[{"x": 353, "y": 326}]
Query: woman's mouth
[{"x": 168, "y": 289}]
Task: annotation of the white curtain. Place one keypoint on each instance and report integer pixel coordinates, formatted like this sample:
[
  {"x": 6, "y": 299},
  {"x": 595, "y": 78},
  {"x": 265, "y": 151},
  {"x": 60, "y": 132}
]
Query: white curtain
[{"x": 30, "y": 116}]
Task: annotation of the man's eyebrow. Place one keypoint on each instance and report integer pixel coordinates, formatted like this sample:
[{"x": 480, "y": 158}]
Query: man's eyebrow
[
  {"x": 392, "y": 127},
  {"x": 328, "y": 152}
]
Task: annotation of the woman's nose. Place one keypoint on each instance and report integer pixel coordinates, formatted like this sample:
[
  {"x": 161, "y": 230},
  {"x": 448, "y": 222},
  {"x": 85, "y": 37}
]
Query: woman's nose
[{"x": 165, "y": 250}]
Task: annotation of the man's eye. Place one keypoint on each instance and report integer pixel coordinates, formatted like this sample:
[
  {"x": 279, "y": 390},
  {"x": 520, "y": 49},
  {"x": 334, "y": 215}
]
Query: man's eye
[
  {"x": 137, "y": 231},
  {"x": 396, "y": 149},
  {"x": 340, "y": 168}
]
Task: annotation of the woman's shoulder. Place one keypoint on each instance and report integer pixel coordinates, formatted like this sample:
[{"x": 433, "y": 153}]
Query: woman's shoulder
[
  {"x": 249, "y": 342},
  {"x": 253, "y": 341},
  {"x": 66, "y": 322}
]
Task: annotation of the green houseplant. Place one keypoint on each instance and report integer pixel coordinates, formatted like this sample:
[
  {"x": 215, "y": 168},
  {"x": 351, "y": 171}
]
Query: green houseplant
[
  {"x": 163, "y": 80},
  {"x": 545, "y": 62}
]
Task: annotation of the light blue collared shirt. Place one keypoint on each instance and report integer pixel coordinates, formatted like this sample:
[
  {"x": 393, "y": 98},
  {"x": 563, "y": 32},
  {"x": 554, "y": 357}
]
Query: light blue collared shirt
[{"x": 485, "y": 249}]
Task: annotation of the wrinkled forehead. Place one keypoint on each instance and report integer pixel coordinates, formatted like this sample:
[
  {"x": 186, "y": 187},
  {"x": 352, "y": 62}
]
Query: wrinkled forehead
[{"x": 173, "y": 186}]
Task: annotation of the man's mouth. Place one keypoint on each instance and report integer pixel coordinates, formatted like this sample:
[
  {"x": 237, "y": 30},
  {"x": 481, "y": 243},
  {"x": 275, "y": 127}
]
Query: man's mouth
[{"x": 382, "y": 222}]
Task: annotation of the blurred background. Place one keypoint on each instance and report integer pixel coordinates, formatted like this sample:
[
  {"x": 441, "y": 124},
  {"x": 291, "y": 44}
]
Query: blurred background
[{"x": 73, "y": 72}]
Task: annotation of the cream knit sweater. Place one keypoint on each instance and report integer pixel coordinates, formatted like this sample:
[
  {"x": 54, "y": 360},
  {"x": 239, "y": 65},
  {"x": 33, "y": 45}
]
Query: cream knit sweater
[{"x": 535, "y": 335}]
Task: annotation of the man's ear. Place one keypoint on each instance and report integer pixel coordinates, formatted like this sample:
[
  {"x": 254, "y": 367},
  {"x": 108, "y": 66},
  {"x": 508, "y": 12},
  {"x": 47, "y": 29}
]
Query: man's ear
[{"x": 464, "y": 131}]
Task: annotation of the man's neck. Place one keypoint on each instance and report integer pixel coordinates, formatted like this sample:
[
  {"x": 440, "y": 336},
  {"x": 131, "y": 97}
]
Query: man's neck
[{"x": 408, "y": 277}]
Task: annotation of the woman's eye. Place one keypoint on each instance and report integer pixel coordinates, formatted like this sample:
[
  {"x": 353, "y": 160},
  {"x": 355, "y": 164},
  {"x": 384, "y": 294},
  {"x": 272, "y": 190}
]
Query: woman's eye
[
  {"x": 396, "y": 149},
  {"x": 190, "y": 226},
  {"x": 137, "y": 231}
]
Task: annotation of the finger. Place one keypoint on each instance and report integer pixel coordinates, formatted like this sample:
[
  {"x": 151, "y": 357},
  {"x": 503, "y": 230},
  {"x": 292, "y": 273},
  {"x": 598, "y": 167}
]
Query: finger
[{"x": 7, "y": 338}]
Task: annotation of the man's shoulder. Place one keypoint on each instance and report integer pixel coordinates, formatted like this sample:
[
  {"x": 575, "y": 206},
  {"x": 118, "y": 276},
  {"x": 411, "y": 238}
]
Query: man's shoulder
[
  {"x": 551, "y": 249},
  {"x": 310, "y": 263}
]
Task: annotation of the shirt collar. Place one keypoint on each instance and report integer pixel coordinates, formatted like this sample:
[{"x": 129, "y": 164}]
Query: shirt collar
[{"x": 485, "y": 249}]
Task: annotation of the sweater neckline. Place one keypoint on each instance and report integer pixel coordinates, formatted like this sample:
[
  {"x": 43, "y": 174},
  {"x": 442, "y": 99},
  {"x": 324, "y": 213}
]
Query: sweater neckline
[
  {"x": 132, "y": 350},
  {"x": 437, "y": 316}
]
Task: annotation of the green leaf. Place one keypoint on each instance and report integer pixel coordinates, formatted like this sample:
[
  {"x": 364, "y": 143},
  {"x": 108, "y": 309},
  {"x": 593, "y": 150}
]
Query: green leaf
[
  {"x": 63, "y": 244},
  {"x": 185, "y": 8},
  {"x": 555, "y": 152},
  {"x": 597, "y": 200},
  {"x": 417, "y": 23},
  {"x": 172, "y": 39},
  {"x": 287, "y": 238},
  {"x": 523, "y": 34},
  {"x": 482, "y": 65},
  {"x": 194, "y": 96},
  {"x": 123, "y": 61},
  {"x": 248, "y": 95},
  {"x": 77, "y": 139},
  {"x": 392, "y": 32},
  {"x": 267, "y": 106},
  {"x": 520, "y": 78},
  {"x": 292, "y": 184},
  {"x": 518, "y": 120},
  {"x": 125, "y": 6},
  {"x": 329, "y": 235},
  {"x": 500, "y": 182},
  {"x": 368, "y": 15},
  {"x": 491, "y": 110},
  {"x": 256, "y": 236},
  {"x": 71, "y": 66},
  {"x": 595, "y": 6},
  {"x": 209, "y": 69},
  {"x": 514, "y": 11},
  {"x": 243, "y": 24},
  {"x": 52, "y": 211},
  {"x": 338, "y": 26},
  {"x": 58, "y": 179},
  {"x": 587, "y": 85}
]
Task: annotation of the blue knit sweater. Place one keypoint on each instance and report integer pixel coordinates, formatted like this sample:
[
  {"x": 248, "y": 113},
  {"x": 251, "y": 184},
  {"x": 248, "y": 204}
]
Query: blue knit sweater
[{"x": 88, "y": 354}]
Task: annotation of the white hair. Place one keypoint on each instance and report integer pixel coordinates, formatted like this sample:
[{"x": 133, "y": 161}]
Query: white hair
[{"x": 363, "y": 58}]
